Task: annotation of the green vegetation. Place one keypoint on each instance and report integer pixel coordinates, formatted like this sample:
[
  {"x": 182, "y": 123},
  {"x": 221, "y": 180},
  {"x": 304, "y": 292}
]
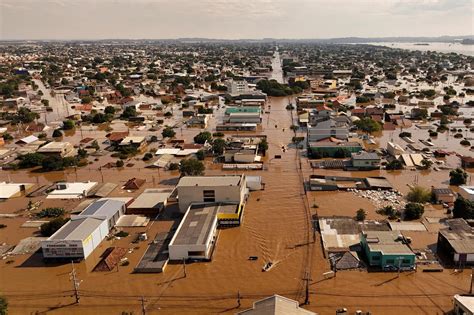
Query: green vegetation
[
  {"x": 426, "y": 164},
  {"x": 419, "y": 194},
  {"x": 363, "y": 99},
  {"x": 200, "y": 155},
  {"x": 361, "y": 214},
  {"x": 3, "y": 305},
  {"x": 129, "y": 112},
  {"x": 428, "y": 93},
  {"x": 389, "y": 211},
  {"x": 56, "y": 163},
  {"x": 368, "y": 125},
  {"x": 168, "y": 132},
  {"x": 68, "y": 125},
  {"x": 173, "y": 166},
  {"x": 51, "y": 213},
  {"x": 30, "y": 160},
  {"x": 273, "y": 88},
  {"x": 457, "y": 177},
  {"x": 23, "y": 115},
  {"x": 57, "y": 133},
  {"x": 202, "y": 137},
  {"x": 121, "y": 234},
  {"x": 191, "y": 167},
  {"x": 463, "y": 208},
  {"x": 49, "y": 228},
  {"x": 413, "y": 211},
  {"x": 7, "y": 137},
  {"x": 109, "y": 110},
  {"x": 394, "y": 165},
  {"x": 119, "y": 163},
  {"x": 218, "y": 146},
  {"x": 148, "y": 156}
]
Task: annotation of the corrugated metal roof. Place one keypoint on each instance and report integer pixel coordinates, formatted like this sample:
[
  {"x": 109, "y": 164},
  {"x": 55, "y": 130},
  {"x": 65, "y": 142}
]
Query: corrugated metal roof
[{"x": 79, "y": 228}]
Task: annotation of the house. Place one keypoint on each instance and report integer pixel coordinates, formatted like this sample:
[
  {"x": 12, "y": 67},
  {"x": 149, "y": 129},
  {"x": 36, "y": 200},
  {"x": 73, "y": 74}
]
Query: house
[
  {"x": 467, "y": 162},
  {"x": 328, "y": 128},
  {"x": 241, "y": 155},
  {"x": 196, "y": 234},
  {"x": 133, "y": 183},
  {"x": 27, "y": 140},
  {"x": 211, "y": 189},
  {"x": 60, "y": 149},
  {"x": 276, "y": 305},
  {"x": 199, "y": 121},
  {"x": 444, "y": 195},
  {"x": 456, "y": 242},
  {"x": 467, "y": 192},
  {"x": 394, "y": 149},
  {"x": 387, "y": 250},
  {"x": 136, "y": 143},
  {"x": 73, "y": 190},
  {"x": 463, "y": 305},
  {"x": 78, "y": 238},
  {"x": 365, "y": 160},
  {"x": 116, "y": 137},
  {"x": 9, "y": 190},
  {"x": 150, "y": 203}
]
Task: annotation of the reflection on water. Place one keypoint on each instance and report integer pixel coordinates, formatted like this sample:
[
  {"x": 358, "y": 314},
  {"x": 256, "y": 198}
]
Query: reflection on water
[{"x": 439, "y": 47}]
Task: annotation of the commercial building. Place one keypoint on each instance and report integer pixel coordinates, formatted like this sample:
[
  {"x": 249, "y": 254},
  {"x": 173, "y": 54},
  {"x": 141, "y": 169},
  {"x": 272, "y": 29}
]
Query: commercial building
[
  {"x": 196, "y": 234},
  {"x": 61, "y": 149},
  {"x": 455, "y": 244},
  {"x": 248, "y": 114},
  {"x": 211, "y": 189},
  {"x": 237, "y": 87},
  {"x": 467, "y": 192},
  {"x": 276, "y": 305},
  {"x": 78, "y": 238},
  {"x": 9, "y": 190},
  {"x": 387, "y": 250},
  {"x": 330, "y": 149}
]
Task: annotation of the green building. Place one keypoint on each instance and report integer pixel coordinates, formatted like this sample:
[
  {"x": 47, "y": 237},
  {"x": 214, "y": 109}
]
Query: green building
[
  {"x": 387, "y": 250},
  {"x": 333, "y": 149},
  {"x": 244, "y": 109}
]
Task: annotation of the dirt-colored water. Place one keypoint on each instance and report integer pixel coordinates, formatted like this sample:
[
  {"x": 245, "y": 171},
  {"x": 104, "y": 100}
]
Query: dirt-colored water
[{"x": 276, "y": 227}]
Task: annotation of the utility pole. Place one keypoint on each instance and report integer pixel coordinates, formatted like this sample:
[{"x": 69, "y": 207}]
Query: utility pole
[
  {"x": 75, "y": 283},
  {"x": 184, "y": 267},
  {"x": 143, "y": 306},
  {"x": 238, "y": 299},
  {"x": 399, "y": 266},
  {"x": 307, "y": 279}
]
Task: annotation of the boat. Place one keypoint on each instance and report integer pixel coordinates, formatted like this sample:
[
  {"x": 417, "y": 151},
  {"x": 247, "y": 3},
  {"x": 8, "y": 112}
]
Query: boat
[
  {"x": 267, "y": 266},
  {"x": 408, "y": 139}
]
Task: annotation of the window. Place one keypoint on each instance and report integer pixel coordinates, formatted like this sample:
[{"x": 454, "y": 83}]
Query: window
[
  {"x": 196, "y": 253},
  {"x": 209, "y": 196},
  {"x": 390, "y": 261},
  {"x": 376, "y": 258},
  {"x": 406, "y": 261}
]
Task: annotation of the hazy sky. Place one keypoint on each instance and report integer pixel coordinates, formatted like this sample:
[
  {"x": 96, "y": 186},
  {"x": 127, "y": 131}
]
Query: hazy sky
[{"x": 233, "y": 19}]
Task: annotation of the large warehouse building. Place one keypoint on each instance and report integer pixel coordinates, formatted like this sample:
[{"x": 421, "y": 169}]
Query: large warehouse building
[{"x": 84, "y": 232}]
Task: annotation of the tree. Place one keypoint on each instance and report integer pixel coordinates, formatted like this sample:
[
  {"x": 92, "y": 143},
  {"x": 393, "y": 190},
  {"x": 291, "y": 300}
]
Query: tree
[
  {"x": 168, "y": 132},
  {"x": 191, "y": 167},
  {"x": 419, "y": 194},
  {"x": 413, "y": 211},
  {"x": 49, "y": 228},
  {"x": 463, "y": 208},
  {"x": 81, "y": 153},
  {"x": 202, "y": 137},
  {"x": 53, "y": 212},
  {"x": 3, "y": 306},
  {"x": 394, "y": 165},
  {"x": 426, "y": 164},
  {"x": 361, "y": 214},
  {"x": 7, "y": 137},
  {"x": 119, "y": 163},
  {"x": 263, "y": 146},
  {"x": 109, "y": 110},
  {"x": 128, "y": 112},
  {"x": 368, "y": 125},
  {"x": 30, "y": 160},
  {"x": 218, "y": 146},
  {"x": 68, "y": 125},
  {"x": 457, "y": 177},
  {"x": 57, "y": 133},
  {"x": 200, "y": 155}
]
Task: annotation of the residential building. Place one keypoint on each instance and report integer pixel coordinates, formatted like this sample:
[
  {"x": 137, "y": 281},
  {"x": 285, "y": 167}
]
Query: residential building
[
  {"x": 196, "y": 234},
  {"x": 394, "y": 149},
  {"x": 276, "y": 305},
  {"x": 455, "y": 243},
  {"x": 237, "y": 87},
  {"x": 365, "y": 160},
  {"x": 387, "y": 250},
  {"x": 75, "y": 190},
  {"x": 241, "y": 155},
  {"x": 467, "y": 192},
  {"x": 211, "y": 189},
  {"x": 61, "y": 149},
  {"x": 445, "y": 195},
  {"x": 137, "y": 143},
  {"x": 9, "y": 190},
  {"x": 328, "y": 128}
]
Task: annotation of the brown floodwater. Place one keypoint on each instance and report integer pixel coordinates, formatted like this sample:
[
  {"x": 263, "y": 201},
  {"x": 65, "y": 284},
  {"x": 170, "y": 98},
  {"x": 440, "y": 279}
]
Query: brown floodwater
[{"x": 276, "y": 227}]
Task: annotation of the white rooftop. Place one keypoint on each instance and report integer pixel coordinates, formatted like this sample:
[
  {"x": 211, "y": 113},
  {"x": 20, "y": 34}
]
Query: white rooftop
[{"x": 71, "y": 190}]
